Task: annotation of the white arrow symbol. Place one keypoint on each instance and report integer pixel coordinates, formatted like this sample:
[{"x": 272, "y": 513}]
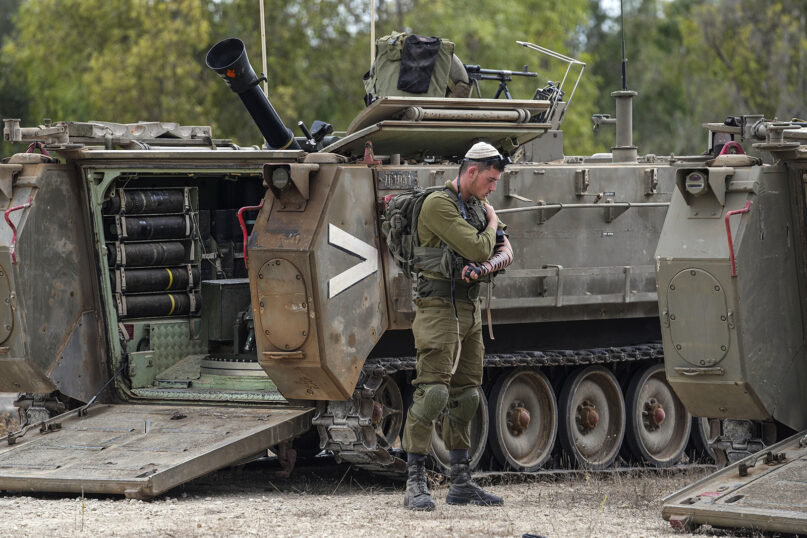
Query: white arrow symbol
[{"x": 341, "y": 239}]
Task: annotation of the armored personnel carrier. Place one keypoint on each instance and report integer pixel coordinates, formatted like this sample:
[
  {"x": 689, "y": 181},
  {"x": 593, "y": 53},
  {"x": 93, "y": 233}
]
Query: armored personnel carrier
[
  {"x": 172, "y": 303},
  {"x": 731, "y": 280}
]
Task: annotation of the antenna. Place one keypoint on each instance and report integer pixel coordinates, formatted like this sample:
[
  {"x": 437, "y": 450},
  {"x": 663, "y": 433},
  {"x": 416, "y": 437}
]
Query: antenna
[
  {"x": 624, "y": 58},
  {"x": 624, "y": 151},
  {"x": 263, "y": 51},
  {"x": 372, "y": 32}
]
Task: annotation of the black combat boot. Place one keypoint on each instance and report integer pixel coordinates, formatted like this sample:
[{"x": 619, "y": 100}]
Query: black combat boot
[
  {"x": 463, "y": 489},
  {"x": 417, "y": 495}
]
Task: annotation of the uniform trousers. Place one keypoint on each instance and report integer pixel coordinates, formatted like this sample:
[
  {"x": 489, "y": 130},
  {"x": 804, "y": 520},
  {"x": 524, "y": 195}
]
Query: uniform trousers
[{"x": 437, "y": 338}]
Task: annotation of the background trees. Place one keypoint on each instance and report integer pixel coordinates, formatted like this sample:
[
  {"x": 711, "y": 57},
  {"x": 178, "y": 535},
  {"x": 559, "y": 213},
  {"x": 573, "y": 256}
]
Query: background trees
[{"x": 128, "y": 60}]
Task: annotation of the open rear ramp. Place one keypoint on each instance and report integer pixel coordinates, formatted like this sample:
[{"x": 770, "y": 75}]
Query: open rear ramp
[
  {"x": 143, "y": 450},
  {"x": 766, "y": 491}
]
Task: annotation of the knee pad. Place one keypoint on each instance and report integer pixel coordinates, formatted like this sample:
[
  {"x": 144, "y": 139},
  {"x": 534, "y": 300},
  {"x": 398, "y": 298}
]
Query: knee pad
[
  {"x": 464, "y": 404},
  {"x": 429, "y": 401}
]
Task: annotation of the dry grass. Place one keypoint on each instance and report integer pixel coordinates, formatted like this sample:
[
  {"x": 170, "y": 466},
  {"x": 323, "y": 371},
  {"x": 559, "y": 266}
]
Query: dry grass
[{"x": 339, "y": 500}]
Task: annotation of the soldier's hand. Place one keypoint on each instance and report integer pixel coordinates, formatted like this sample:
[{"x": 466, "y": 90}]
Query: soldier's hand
[
  {"x": 493, "y": 220},
  {"x": 471, "y": 272}
]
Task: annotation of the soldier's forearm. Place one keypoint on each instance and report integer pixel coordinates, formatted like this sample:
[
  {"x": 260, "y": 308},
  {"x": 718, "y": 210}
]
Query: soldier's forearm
[{"x": 502, "y": 257}]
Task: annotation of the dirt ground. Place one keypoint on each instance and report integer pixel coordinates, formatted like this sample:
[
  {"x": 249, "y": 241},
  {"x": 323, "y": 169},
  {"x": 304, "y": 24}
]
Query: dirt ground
[{"x": 326, "y": 499}]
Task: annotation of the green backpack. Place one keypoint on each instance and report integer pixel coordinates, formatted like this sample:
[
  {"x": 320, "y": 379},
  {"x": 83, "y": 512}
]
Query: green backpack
[
  {"x": 399, "y": 228},
  {"x": 383, "y": 78}
]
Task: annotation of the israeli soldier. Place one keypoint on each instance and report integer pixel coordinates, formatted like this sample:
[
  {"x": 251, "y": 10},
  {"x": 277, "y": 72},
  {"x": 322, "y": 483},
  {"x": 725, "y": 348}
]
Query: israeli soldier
[{"x": 448, "y": 324}]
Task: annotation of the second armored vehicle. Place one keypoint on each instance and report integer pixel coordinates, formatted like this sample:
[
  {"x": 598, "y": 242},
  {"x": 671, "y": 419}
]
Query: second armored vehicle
[{"x": 732, "y": 277}]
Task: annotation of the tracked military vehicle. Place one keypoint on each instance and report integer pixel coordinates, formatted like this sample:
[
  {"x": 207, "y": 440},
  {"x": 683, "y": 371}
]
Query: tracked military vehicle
[
  {"x": 127, "y": 279},
  {"x": 732, "y": 277}
]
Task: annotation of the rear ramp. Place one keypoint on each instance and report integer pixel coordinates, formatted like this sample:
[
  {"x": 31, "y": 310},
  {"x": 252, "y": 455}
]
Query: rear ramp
[
  {"x": 141, "y": 451},
  {"x": 766, "y": 491}
]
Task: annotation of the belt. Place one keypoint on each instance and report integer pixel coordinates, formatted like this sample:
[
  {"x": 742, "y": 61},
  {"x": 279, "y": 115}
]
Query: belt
[{"x": 463, "y": 291}]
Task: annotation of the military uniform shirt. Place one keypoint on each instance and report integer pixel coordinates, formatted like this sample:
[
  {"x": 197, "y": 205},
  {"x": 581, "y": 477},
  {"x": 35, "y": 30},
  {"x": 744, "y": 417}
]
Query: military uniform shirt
[{"x": 441, "y": 222}]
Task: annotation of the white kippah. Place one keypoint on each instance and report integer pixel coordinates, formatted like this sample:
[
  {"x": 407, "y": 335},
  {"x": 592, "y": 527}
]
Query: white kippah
[{"x": 481, "y": 151}]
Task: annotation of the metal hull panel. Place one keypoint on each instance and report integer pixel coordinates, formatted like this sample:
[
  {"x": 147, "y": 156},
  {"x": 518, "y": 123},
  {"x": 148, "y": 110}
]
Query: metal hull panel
[
  {"x": 143, "y": 451},
  {"x": 771, "y": 497}
]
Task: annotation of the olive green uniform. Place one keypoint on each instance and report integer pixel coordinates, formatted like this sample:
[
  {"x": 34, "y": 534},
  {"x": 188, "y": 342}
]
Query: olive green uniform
[{"x": 438, "y": 333}]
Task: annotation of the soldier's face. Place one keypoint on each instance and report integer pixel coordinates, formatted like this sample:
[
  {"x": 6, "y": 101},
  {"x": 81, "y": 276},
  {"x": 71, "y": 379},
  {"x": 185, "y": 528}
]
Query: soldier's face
[{"x": 484, "y": 182}]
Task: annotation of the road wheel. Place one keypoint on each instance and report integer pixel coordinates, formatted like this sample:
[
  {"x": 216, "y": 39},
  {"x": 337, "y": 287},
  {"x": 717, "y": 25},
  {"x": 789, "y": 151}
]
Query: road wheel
[
  {"x": 479, "y": 436},
  {"x": 591, "y": 422},
  {"x": 658, "y": 423},
  {"x": 388, "y": 412},
  {"x": 523, "y": 419},
  {"x": 704, "y": 432}
]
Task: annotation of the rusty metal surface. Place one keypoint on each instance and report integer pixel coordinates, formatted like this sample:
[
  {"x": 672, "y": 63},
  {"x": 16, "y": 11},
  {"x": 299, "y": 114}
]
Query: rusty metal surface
[
  {"x": 78, "y": 382},
  {"x": 755, "y": 493},
  {"x": 22, "y": 375},
  {"x": 143, "y": 451},
  {"x": 283, "y": 304},
  {"x": 331, "y": 255},
  {"x": 54, "y": 338},
  {"x": 6, "y": 313}
]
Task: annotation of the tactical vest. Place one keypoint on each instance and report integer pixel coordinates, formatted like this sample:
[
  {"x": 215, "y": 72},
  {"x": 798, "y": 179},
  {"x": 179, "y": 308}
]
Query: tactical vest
[{"x": 399, "y": 229}]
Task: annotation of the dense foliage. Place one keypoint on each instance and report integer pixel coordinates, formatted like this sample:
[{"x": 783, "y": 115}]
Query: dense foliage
[{"x": 128, "y": 60}]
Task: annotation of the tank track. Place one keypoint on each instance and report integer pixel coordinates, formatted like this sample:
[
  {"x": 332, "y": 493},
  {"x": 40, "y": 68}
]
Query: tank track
[
  {"x": 580, "y": 357},
  {"x": 348, "y": 429}
]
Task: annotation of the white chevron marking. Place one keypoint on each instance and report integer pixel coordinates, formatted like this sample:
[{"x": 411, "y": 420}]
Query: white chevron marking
[{"x": 341, "y": 239}]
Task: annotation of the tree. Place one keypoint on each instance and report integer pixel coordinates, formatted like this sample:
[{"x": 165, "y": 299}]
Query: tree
[
  {"x": 694, "y": 61},
  {"x": 13, "y": 97},
  {"x": 141, "y": 61},
  {"x": 761, "y": 53}
]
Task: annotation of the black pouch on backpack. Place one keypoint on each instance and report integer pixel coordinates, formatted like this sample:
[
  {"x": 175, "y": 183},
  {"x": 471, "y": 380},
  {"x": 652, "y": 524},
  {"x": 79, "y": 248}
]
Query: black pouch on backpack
[{"x": 417, "y": 63}]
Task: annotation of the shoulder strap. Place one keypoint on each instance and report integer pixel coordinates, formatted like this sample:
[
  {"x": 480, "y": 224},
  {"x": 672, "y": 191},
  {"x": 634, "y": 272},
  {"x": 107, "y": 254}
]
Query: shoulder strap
[{"x": 428, "y": 191}]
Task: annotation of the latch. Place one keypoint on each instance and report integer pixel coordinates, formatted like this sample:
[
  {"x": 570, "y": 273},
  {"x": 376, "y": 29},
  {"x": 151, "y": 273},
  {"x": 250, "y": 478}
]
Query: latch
[
  {"x": 768, "y": 458},
  {"x": 651, "y": 181},
  {"x": 581, "y": 181}
]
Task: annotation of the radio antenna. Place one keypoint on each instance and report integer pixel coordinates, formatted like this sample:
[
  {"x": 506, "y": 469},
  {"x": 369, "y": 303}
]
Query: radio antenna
[
  {"x": 624, "y": 57},
  {"x": 372, "y": 33},
  {"x": 263, "y": 51}
]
